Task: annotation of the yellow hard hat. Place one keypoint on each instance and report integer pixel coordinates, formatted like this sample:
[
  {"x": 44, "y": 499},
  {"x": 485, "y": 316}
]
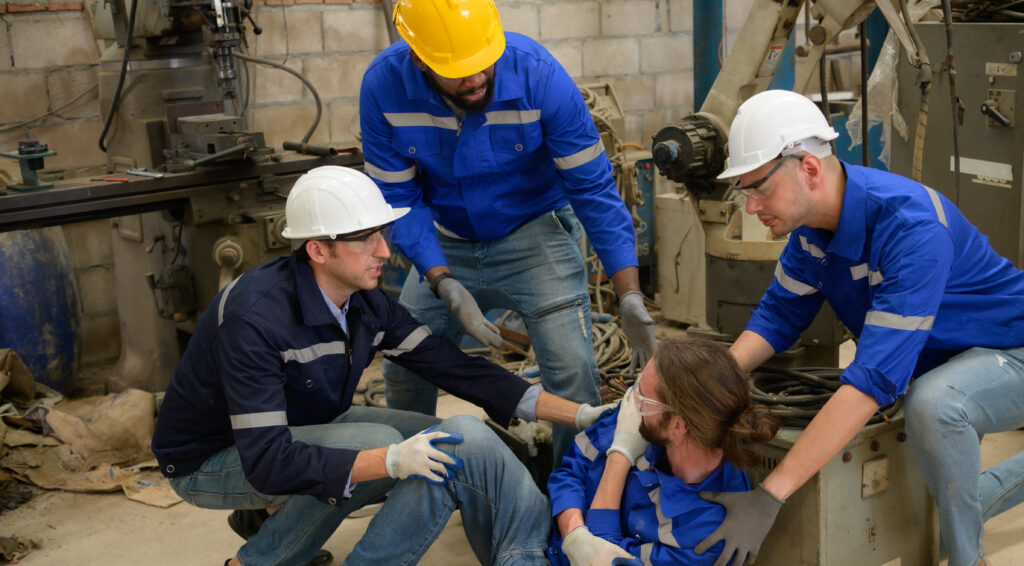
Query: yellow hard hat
[{"x": 455, "y": 38}]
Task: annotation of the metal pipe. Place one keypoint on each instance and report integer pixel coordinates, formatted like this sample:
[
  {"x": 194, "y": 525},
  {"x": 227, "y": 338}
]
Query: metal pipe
[
  {"x": 707, "y": 44},
  {"x": 864, "y": 93}
]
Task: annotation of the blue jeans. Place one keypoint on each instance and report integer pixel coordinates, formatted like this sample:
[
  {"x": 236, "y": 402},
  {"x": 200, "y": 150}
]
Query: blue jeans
[
  {"x": 948, "y": 410},
  {"x": 536, "y": 271},
  {"x": 296, "y": 532},
  {"x": 504, "y": 514}
]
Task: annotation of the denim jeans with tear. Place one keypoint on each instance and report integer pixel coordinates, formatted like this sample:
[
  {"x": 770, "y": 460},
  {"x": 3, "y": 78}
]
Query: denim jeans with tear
[{"x": 536, "y": 271}]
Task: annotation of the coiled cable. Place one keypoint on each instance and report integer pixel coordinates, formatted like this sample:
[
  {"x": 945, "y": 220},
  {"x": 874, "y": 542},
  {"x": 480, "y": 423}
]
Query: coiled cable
[{"x": 796, "y": 395}]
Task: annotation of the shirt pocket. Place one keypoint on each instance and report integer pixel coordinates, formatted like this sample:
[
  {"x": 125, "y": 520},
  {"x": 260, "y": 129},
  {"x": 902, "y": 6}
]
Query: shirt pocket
[
  {"x": 417, "y": 143},
  {"x": 514, "y": 142}
]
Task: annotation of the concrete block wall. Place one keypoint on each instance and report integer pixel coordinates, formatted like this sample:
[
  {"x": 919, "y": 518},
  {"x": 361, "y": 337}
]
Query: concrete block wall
[{"x": 49, "y": 68}]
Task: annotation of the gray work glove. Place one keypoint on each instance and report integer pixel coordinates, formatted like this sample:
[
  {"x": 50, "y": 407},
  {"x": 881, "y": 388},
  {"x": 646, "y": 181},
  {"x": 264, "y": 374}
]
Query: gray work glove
[
  {"x": 638, "y": 326},
  {"x": 627, "y": 439},
  {"x": 587, "y": 415},
  {"x": 464, "y": 307},
  {"x": 419, "y": 457},
  {"x": 582, "y": 548},
  {"x": 748, "y": 517}
]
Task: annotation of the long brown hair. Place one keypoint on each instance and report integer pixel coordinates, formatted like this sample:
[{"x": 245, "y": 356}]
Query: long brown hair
[{"x": 701, "y": 381}]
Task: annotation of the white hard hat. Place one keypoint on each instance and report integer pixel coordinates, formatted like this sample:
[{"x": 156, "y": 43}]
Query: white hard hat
[
  {"x": 329, "y": 201},
  {"x": 774, "y": 123}
]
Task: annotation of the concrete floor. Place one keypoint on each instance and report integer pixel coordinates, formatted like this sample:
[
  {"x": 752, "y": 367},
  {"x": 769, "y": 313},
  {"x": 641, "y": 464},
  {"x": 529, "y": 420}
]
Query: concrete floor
[{"x": 94, "y": 529}]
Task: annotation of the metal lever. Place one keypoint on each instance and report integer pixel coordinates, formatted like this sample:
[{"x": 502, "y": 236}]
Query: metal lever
[{"x": 990, "y": 108}]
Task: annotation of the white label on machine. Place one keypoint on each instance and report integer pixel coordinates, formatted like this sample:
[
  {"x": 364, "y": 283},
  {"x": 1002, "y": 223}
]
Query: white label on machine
[
  {"x": 874, "y": 477},
  {"x": 985, "y": 172},
  {"x": 1000, "y": 69},
  {"x": 772, "y": 59}
]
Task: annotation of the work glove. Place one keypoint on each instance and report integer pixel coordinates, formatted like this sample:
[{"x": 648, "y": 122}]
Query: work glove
[
  {"x": 465, "y": 309},
  {"x": 587, "y": 415},
  {"x": 748, "y": 517},
  {"x": 638, "y": 326},
  {"x": 584, "y": 549},
  {"x": 418, "y": 457},
  {"x": 627, "y": 440}
]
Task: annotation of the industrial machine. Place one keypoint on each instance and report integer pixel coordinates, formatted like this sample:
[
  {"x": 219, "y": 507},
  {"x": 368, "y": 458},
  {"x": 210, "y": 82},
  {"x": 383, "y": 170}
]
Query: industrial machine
[{"x": 204, "y": 196}]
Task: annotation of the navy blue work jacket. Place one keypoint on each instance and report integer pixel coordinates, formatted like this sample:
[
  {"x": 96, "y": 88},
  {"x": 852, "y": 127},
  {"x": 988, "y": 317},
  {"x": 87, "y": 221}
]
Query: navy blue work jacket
[{"x": 268, "y": 354}]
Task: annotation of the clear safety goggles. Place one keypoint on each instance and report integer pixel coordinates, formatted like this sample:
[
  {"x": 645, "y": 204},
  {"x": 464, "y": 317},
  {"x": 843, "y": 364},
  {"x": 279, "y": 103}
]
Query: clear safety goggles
[
  {"x": 754, "y": 190},
  {"x": 645, "y": 405},
  {"x": 367, "y": 241}
]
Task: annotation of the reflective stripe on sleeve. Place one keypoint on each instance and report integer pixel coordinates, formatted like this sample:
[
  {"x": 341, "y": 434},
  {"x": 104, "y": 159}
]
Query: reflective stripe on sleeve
[
  {"x": 512, "y": 117},
  {"x": 897, "y": 322},
  {"x": 861, "y": 271},
  {"x": 646, "y": 549},
  {"x": 407, "y": 119},
  {"x": 306, "y": 355},
  {"x": 790, "y": 284},
  {"x": 580, "y": 157},
  {"x": 224, "y": 300},
  {"x": 377, "y": 338},
  {"x": 939, "y": 211},
  {"x": 810, "y": 248},
  {"x": 664, "y": 523},
  {"x": 389, "y": 176},
  {"x": 585, "y": 446},
  {"x": 258, "y": 420},
  {"x": 411, "y": 341}
]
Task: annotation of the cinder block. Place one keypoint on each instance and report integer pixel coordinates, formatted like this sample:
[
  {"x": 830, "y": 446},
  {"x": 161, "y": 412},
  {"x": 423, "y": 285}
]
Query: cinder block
[
  {"x": 289, "y": 123},
  {"x": 94, "y": 286},
  {"x": 666, "y": 53},
  {"x": 343, "y": 119},
  {"x": 674, "y": 89},
  {"x": 356, "y": 29},
  {"x": 680, "y": 15},
  {"x": 635, "y": 129},
  {"x": 611, "y": 57},
  {"x": 569, "y": 19},
  {"x": 272, "y": 41},
  {"x": 68, "y": 41},
  {"x": 101, "y": 339},
  {"x": 305, "y": 31},
  {"x": 74, "y": 143},
  {"x": 634, "y": 17},
  {"x": 24, "y": 97},
  {"x": 275, "y": 85},
  {"x": 89, "y": 243},
  {"x": 521, "y": 18},
  {"x": 635, "y": 92},
  {"x": 337, "y": 76},
  {"x": 64, "y": 86},
  {"x": 65, "y": 6},
  {"x": 25, "y": 7},
  {"x": 570, "y": 55}
]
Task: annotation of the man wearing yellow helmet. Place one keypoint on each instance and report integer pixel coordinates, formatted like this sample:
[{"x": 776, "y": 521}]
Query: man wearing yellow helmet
[{"x": 489, "y": 142}]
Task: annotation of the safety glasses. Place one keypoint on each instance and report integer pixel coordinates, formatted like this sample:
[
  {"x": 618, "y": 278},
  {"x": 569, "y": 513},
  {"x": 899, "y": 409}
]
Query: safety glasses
[
  {"x": 754, "y": 190},
  {"x": 366, "y": 242},
  {"x": 645, "y": 405}
]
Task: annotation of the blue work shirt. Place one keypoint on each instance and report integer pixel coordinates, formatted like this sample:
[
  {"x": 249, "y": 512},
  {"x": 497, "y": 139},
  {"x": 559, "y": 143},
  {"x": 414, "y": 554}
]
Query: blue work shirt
[
  {"x": 906, "y": 273},
  {"x": 268, "y": 354},
  {"x": 533, "y": 150},
  {"x": 661, "y": 518}
]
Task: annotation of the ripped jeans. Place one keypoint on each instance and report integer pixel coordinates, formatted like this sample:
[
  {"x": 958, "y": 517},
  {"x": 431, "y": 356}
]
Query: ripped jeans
[{"x": 537, "y": 271}]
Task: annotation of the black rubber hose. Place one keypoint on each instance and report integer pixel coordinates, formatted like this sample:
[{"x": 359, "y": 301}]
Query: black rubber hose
[{"x": 120, "y": 81}]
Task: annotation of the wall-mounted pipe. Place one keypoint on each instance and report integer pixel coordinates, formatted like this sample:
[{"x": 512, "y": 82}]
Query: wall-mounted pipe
[{"x": 708, "y": 40}]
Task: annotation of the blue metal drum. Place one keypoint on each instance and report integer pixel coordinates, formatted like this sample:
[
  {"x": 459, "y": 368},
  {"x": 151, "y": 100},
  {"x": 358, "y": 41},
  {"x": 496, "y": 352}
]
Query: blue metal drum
[{"x": 40, "y": 316}]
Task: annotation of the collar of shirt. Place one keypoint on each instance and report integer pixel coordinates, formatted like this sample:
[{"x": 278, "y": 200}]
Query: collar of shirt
[
  {"x": 339, "y": 313},
  {"x": 851, "y": 232}
]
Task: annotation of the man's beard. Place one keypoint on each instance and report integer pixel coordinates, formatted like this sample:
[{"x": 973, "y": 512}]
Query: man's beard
[
  {"x": 458, "y": 101},
  {"x": 656, "y": 434}
]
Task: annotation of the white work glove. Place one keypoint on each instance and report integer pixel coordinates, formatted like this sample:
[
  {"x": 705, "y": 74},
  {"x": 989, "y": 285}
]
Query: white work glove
[
  {"x": 638, "y": 326},
  {"x": 627, "y": 440},
  {"x": 465, "y": 309},
  {"x": 418, "y": 457},
  {"x": 584, "y": 549},
  {"x": 587, "y": 415}
]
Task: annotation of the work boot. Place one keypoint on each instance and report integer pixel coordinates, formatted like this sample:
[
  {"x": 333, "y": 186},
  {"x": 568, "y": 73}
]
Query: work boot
[{"x": 245, "y": 523}]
